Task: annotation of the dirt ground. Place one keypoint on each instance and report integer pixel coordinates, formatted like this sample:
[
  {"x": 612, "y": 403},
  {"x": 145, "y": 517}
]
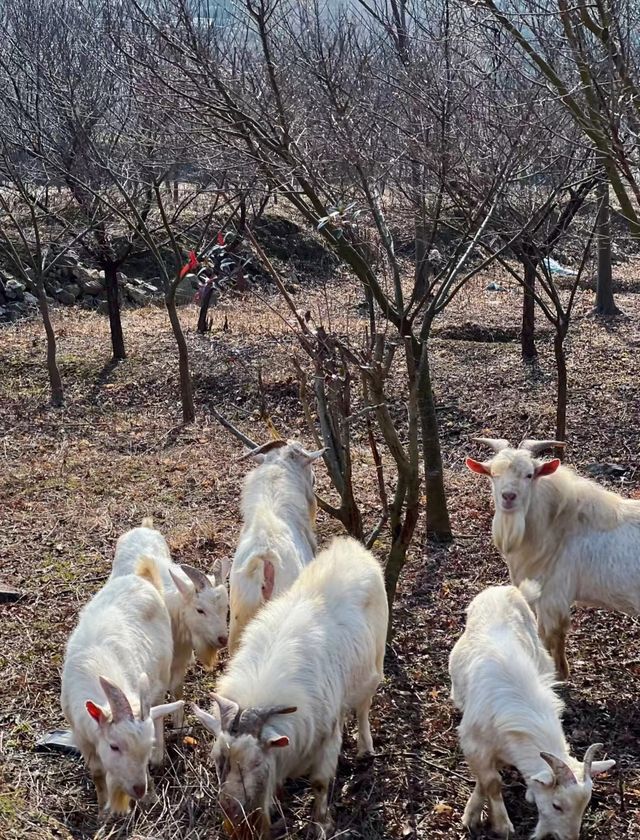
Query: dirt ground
[{"x": 72, "y": 480}]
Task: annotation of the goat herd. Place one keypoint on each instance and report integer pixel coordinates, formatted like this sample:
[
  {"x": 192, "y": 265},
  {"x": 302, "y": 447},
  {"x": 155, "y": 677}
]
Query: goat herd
[{"x": 307, "y": 639}]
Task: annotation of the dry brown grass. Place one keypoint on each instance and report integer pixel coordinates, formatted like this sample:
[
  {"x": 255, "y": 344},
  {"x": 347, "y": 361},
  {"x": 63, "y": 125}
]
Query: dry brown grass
[{"x": 72, "y": 480}]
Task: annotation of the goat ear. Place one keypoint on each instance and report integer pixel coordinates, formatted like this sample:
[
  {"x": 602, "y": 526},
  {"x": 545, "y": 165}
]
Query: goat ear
[
  {"x": 310, "y": 457},
  {"x": 165, "y": 709},
  {"x": 268, "y": 580},
  {"x": 545, "y": 778},
  {"x": 547, "y": 468},
  {"x": 598, "y": 767},
  {"x": 478, "y": 466},
  {"x": 276, "y": 741},
  {"x": 221, "y": 569},
  {"x": 185, "y": 590},
  {"x": 96, "y": 712}
]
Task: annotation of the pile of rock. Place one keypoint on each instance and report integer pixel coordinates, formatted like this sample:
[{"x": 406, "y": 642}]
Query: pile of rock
[{"x": 70, "y": 283}]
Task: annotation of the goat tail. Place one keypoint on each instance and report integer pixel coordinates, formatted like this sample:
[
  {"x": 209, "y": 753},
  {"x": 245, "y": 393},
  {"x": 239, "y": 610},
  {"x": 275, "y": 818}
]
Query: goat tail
[
  {"x": 147, "y": 569},
  {"x": 530, "y": 591},
  {"x": 147, "y": 522}
]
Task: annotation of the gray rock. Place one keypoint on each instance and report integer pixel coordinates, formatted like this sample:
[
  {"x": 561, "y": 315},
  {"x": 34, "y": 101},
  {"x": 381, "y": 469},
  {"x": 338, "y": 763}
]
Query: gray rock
[
  {"x": 32, "y": 300},
  {"x": 137, "y": 294},
  {"x": 63, "y": 296},
  {"x": 14, "y": 290},
  {"x": 103, "y": 308},
  {"x": 74, "y": 290},
  {"x": 91, "y": 287},
  {"x": 495, "y": 287}
]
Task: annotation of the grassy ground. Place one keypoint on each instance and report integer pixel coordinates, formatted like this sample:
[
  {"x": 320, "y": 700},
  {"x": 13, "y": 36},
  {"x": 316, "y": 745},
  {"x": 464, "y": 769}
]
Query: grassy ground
[{"x": 72, "y": 480}]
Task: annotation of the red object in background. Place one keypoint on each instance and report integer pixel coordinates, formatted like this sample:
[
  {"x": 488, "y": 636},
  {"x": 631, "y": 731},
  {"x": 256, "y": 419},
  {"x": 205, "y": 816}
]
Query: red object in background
[
  {"x": 193, "y": 263},
  {"x": 220, "y": 238}
]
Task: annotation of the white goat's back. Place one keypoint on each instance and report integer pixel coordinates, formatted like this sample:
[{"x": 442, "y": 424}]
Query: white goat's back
[
  {"x": 142, "y": 542},
  {"x": 277, "y": 538},
  {"x": 500, "y": 646},
  {"x": 315, "y": 646},
  {"x": 122, "y": 632}
]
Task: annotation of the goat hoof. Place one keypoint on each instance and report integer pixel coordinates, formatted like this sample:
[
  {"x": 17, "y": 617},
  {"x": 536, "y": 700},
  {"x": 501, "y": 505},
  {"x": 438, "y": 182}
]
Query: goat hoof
[
  {"x": 503, "y": 828},
  {"x": 472, "y": 819}
]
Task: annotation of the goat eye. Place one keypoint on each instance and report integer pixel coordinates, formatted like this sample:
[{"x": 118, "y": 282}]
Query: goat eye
[
  {"x": 530, "y": 475},
  {"x": 200, "y": 612},
  {"x": 115, "y": 747},
  {"x": 556, "y": 807}
]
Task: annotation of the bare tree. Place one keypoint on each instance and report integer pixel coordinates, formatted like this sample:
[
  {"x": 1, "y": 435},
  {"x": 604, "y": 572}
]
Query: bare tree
[
  {"x": 37, "y": 230},
  {"x": 588, "y": 55},
  {"x": 333, "y": 171}
]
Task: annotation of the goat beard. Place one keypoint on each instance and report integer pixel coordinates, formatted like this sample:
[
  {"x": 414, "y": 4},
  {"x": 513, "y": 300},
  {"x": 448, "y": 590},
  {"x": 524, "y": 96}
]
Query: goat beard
[
  {"x": 208, "y": 656},
  {"x": 119, "y": 801},
  {"x": 508, "y": 530},
  {"x": 255, "y": 825}
]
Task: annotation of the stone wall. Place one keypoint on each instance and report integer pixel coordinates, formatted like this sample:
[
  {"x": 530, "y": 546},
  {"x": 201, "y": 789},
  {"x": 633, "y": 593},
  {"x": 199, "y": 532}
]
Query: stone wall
[{"x": 70, "y": 283}]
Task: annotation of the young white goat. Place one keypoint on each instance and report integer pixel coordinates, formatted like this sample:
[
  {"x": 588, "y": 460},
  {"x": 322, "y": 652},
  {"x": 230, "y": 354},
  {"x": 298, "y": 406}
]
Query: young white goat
[
  {"x": 502, "y": 678},
  {"x": 197, "y": 603},
  {"x": 307, "y": 659},
  {"x": 578, "y": 540},
  {"x": 117, "y": 664},
  {"x": 277, "y": 538}
]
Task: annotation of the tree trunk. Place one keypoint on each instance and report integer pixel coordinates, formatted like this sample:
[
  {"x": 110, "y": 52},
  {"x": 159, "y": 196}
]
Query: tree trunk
[
  {"x": 395, "y": 563},
  {"x": 527, "y": 336},
  {"x": 438, "y": 523},
  {"x": 115, "y": 324},
  {"x": 561, "y": 405},
  {"x": 186, "y": 385},
  {"x": 55, "y": 381},
  {"x": 401, "y": 540},
  {"x": 176, "y": 192},
  {"x": 422, "y": 266},
  {"x": 605, "y": 304},
  {"x": 203, "y": 325}
]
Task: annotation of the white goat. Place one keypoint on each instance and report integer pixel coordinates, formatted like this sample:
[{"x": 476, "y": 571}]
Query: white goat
[
  {"x": 502, "y": 680},
  {"x": 197, "y": 603},
  {"x": 578, "y": 540},
  {"x": 277, "y": 538},
  {"x": 117, "y": 663},
  {"x": 307, "y": 659}
]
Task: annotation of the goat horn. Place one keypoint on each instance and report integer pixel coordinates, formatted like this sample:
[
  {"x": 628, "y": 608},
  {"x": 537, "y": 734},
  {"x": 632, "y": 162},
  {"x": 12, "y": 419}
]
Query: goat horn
[
  {"x": 263, "y": 449},
  {"x": 588, "y": 758},
  {"x": 252, "y": 720},
  {"x": 143, "y": 690},
  {"x": 535, "y": 447},
  {"x": 563, "y": 773},
  {"x": 497, "y": 444},
  {"x": 197, "y": 578},
  {"x": 120, "y": 706}
]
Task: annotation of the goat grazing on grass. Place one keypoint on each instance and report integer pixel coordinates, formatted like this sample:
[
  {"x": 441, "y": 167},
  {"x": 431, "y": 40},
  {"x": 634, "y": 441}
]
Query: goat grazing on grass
[
  {"x": 307, "y": 659},
  {"x": 502, "y": 682},
  {"x": 578, "y": 540},
  {"x": 197, "y": 603},
  {"x": 278, "y": 532},
  {"x": 117, "y": 665}
]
